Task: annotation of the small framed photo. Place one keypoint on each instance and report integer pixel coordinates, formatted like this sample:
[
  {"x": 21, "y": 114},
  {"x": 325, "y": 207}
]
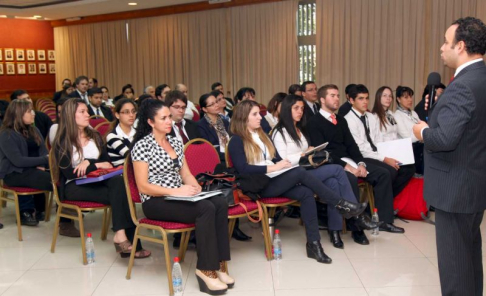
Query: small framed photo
[
  {"x": 9, "y": 54},
  {"x": 1, "y": 69},
  {"x": 41, "y": 55},
  {"x": 43, "y": 68},
  {"x": 52, "y": 68},
  {"x": 10, "y": 68},
  {"x": 30, "y": 55},
  {"x": 21, "y": 68},
  {"x": 51, "y": 55},
  {"x": 32, "y": 68},
  {"x": 1, "y": 55},
  {"x": 20, "y": 54}
]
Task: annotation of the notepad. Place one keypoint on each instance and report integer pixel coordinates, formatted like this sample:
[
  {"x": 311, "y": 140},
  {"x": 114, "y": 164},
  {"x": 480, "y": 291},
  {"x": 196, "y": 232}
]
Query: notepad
[
  {"x": 400, "y": 150},
  {"x": 194, "y": 198},
  {"x": 98, "y": 179}
]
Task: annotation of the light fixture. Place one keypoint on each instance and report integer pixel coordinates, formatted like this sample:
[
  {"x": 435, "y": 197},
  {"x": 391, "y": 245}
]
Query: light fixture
[
  {"x": 132, "y": 3},
  {"x": 37, "y": 16}
]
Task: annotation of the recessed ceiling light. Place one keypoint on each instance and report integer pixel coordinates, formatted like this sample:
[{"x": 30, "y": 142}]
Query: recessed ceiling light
[
  {"x": 37, "y": 16},
  {"x": 133, "y": 3}
]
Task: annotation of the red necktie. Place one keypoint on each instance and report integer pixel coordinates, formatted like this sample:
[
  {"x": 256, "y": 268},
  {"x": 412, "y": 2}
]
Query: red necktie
[
  {"x": 333, "y": 119},
  {"x": 452, "y": 78},
  {"x": 181, "y": 132}
]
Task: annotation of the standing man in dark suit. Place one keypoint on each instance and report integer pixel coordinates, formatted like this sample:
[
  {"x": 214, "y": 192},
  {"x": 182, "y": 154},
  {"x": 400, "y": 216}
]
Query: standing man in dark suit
[
  {"x": 81, "y": 91},
  {"x": 455, "y": 159},
  {"x": 309, "y": 93},
  {"x": 95, "y": 106},
  {"x": 183, "y": 129}
]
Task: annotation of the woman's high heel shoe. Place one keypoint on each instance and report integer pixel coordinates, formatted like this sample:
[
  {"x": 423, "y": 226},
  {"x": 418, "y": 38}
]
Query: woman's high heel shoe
[
  {"x": 350, "y": 209},
  {"x": 210, "y": 284},
  {"x": 224, "y": 276}
]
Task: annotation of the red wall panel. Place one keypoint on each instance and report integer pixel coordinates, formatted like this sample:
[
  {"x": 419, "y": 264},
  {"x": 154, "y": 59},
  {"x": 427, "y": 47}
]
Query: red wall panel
[{"x": 26, "y": 34}]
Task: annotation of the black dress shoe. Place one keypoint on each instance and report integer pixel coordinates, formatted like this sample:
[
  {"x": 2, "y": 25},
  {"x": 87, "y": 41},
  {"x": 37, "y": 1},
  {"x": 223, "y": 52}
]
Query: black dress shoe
[
  {"x": 350, "y": 209},
  {"x": 315, "y": 251},
  {"x": 240, "y": 235},
  {"x": 359, "y": 237},
  {"x": 389, "y": 227},
  {"x": 1, "y": 225},
  {"x": 27, "y": 218},
  {"x": 293, "y": 212},
  {"x": 336, "y": 239},
  {"x": 364, "y": 222},
  {"x": 41, "y": 216}
]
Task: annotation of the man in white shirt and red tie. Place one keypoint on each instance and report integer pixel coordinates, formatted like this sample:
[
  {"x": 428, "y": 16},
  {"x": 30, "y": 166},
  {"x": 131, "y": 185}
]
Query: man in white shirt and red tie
[{"x": 183, "y": 129}]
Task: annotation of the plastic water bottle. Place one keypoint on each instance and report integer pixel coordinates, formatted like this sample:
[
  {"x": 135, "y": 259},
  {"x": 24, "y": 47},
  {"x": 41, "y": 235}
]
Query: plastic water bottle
[
  {"x": 90, "y": 252},
  {"x": 277, "y": 246},
  {"x": 177, "y": 277},
  {"x": 375, "y": 231}
]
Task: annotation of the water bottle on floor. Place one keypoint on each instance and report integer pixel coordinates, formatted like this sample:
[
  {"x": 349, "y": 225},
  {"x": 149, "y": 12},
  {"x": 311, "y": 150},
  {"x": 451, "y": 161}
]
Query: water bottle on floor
[
  {"x": 90, "y": 252},
  {"x": 375, "y": 231},
  {"x": 277, "y": 245},
  {"x": 177, "y": 277}
]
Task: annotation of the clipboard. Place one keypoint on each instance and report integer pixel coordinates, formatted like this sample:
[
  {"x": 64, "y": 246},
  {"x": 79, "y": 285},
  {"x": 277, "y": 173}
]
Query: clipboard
[{"x": 316, "y": 149}]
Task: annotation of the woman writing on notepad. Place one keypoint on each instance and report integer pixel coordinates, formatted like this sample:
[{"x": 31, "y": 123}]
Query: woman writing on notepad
[
  {"x": 161, "y": 170},
  {"x": 253, "y": 153},
  {"x": 291, "y": 142},
  {"x": 78, "y": 150}
]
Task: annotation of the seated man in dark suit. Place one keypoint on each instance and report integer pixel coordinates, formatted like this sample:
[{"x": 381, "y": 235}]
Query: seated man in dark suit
[
  {"x": 58, "y": 94},
  {"x": 95, "y": 104},
  {"x": 344, "y": 109},
  {"x": 81, "y": 83},
  {"x": 183, "y": 129},
  {"x": 326, "y": 126},
  {"x": 309, "y": 93},
  {"x": 42, "y": 121}
]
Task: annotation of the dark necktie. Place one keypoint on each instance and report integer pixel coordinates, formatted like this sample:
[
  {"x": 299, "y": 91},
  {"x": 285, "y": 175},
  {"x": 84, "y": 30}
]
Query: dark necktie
[
  {"x": 98, "y": 111},
  {"x": 316, "y": 110},
  {"x": 181, "y": 132},
  {"x": 367, "y": 130}
]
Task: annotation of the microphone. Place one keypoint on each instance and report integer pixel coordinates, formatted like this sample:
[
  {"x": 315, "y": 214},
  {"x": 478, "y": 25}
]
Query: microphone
[{"x": 433, "y": 80}]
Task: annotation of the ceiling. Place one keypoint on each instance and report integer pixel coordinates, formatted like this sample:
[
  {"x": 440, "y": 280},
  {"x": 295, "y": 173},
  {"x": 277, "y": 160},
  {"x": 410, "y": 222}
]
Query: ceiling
[{"x": 63, "y": 9}]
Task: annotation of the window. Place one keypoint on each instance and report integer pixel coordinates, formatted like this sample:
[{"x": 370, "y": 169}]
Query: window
[{"x": 306, "y": 34}]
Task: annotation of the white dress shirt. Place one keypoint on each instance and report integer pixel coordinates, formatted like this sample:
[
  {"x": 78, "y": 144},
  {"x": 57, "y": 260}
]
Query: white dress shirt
[
  {"x": 272, "y": 120},
  {"x": 389, "y": 132},
  {"x": 405, "y": 122},
  {"x": 189, "y": 110},
  {"x": 266, "y": 158},
  {"x": 84, "y": 96},
  {"x": 325, "y": 114},
  {"x": 95, "y": 110},
  {"x": 359, "y": 134},
  {"x": 287, "y": 148}
]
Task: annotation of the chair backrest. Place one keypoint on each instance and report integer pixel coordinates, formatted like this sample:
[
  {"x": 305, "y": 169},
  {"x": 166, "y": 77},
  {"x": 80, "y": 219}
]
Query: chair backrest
[
  {"x": 95, "y": 120},
  {"x": 263, "y": 110},
  {"x": 201, "y": 156},
  {"x": 227, "y": 156},
  {"x": 133, "y": 194},
  {"x": 103, "y": 128},
  {"x": 195, "y": 116}
]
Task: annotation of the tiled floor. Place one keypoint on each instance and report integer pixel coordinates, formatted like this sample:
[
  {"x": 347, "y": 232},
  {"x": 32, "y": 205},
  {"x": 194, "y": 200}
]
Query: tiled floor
[{"x": 393, "y": 264}]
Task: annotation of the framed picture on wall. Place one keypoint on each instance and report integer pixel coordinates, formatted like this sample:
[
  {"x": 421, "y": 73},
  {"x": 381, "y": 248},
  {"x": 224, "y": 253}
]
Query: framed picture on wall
[
  {"x": 21, "y": 68},
  {"x": 43, "y": 68},
  {"x": 52, "y": 68},
  {"x": 20, "y": 54},
  {"x": 10, "y": 68},
  {"x": 51, "y": 55},
  {"x": 9, "y": 54},
  {"x": 41, "y": 54},
  {"x": 30, "y": 55},
  {"x": 1, "y": 55},
  {"x": 1, "y": 69},
  {"x": 32, "y": 68}
]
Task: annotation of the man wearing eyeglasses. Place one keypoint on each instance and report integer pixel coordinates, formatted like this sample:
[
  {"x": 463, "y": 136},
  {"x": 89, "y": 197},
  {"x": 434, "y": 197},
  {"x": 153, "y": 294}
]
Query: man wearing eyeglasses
[
  {"x": 184, "y": 129},
  {"x": 95, "y": 96}
]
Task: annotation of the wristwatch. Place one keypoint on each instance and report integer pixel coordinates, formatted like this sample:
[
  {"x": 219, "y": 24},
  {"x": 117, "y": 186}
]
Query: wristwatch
[{"x": 362, "y": 163}]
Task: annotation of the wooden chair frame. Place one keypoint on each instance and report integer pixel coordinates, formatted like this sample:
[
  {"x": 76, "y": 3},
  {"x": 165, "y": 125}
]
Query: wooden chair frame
[
  {"x": 185, "y": 234},
  {"x": 79, "y": 217},
  {"x": 367, "y": 194},
  {"x": 4, "y": 199}
]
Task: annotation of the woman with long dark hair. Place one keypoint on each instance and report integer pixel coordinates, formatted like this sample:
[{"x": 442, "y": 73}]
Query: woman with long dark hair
[
  {"x": 382, "y": 110},
  {"x": 253, "y": 153},
  {"x": 118, "y": 140},
  {"x": 79, "y": 150},
  {"x": 161, "y": 170},
  {"x": 291, "y": 141}
]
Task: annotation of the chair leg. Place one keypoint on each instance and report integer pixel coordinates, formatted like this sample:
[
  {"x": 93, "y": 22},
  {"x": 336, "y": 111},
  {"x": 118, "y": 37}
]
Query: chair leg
[
  {"x": 48, "y": 206},
  {"x": 81, "y": 232},
  {"x": 231, "y": 227},
  {"x": 185, "y": 237},
  {"x": 17, "y": 215},
  {"x": 266, "y": 233},
  {"x": 132, "y": 254},
  {"x": 56, "y": 229},
  {"x": 108, "y": 222},
  {"x": 344, "y": 227},
  {"x": 168, "y": 263},
  {"x": 103, "y": 225}
]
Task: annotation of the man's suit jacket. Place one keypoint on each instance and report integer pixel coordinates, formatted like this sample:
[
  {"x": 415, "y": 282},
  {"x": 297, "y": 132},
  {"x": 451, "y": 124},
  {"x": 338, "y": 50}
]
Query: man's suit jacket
[
  {"x": 345, "y": 108},
  {"x": 57, "y": 96},
  {"x": 308, "y": 112},
  {"x": 191, "y": 128},
  {"x": 455, "y": 145},
  {"x": 105, "y": 110},
  {"x": 75, "y": 94}
]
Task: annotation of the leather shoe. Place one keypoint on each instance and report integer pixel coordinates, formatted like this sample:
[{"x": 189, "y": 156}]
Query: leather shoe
[
  {"x": 41, "y": 216},
  {"x": 210, "y": 285},
  {"x": 28, "y": 219},
  {"x": 389, "y": 227},
  {"x": 364, "y": 222},
  {"x": 293, "y": 212},
  {"x": 68, "y": 229},
  {"x": 315, "y": 251},
  {"x": 350, "y": 209},
  {"x": 359, "y": 237},
  {"x": 240, "y": 235},
  {"x": 336, "y": 239}
]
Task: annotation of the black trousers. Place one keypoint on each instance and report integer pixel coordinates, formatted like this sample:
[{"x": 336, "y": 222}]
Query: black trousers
[
  {"x": 459, "y": 253},
  {"x": 399, "y": 178},
  {"x": 380, "y": 179},
  {"x": 211, "y": 218},
  {"x": 32, "y": 178},
  {"x": 418, "y": 154},
  {"x": 109, "y": 192}
]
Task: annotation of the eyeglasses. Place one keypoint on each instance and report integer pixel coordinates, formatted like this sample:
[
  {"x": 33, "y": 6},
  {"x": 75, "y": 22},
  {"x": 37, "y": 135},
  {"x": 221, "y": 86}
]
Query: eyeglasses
[
  {"x": 179, "y": 107},
  {"x": 212, "y": 104},
  {"x": 127, "y": 112}
]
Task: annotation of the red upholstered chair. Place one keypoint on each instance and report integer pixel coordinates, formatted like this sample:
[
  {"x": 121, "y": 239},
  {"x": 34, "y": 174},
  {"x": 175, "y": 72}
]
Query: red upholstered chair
[
  {"x": 20, "y": 191},
  {"x": 263, "y": 110},
  {"x": 269, "y": 206},
  {"x": 77, "y": 206},
  {"x": 103, "y": 128},
  {"x": 195, "y": 116},
  {"x": 94, "y": 120},
  {"x": 162, "y": 227}
]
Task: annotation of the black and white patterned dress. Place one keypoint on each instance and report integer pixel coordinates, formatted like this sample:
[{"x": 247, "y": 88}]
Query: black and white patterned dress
[{"x": 162, "y": 170}]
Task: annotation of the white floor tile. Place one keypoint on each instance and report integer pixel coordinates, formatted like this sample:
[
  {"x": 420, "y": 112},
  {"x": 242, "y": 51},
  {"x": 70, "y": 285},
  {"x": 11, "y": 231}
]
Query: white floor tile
[
  {"x": 405, "y": 291},
  {"x": 20, "y": 258},
  {"x": 385, "y": 245},
  {"x": 8, "y": 278},
  {"x": 327, "y": 292},
  {"x": 425, "y": 243}
]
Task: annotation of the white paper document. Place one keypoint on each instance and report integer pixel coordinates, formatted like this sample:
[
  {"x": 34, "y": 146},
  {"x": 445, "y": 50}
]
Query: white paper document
[
  {"x": 194, "y": 198},
  {"x": 274, "y": 174},
  {"x": 351, "y": 162},
  {"x": 400, "y": 150}
]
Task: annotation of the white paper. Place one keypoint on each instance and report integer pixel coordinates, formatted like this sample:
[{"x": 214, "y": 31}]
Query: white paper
[
  {"x": 194, "y": 198},
  {"x": 275, "y": 174},
  {"x": 400, "y": 150},
  {"x": 351, "y": 162}
]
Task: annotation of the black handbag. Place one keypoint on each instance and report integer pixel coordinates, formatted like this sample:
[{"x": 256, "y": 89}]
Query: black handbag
[
  {"x": 223, "y": 182},
  {"x": 315, "y": 159}
]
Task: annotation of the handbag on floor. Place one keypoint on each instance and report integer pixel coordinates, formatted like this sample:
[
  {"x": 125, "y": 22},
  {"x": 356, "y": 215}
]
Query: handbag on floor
[{"x": 410, "y": 204}]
